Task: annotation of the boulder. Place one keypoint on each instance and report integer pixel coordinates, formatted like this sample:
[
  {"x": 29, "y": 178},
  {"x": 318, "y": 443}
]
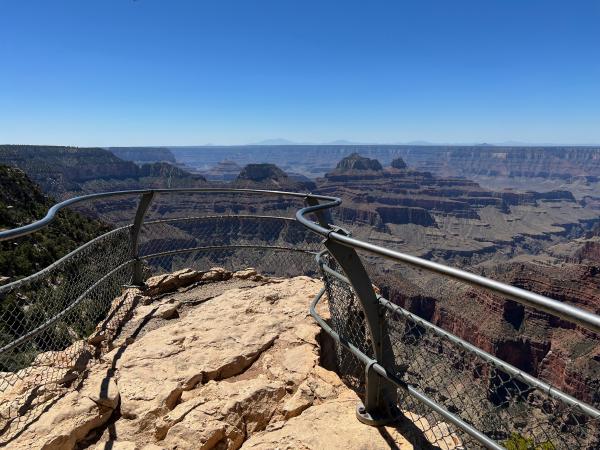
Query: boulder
[{"x": 330, "y": 425}]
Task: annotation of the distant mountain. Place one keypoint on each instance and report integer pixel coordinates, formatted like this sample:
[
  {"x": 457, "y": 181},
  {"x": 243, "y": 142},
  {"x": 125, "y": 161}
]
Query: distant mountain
[
  {"x": 343, "y": 142},
  {"x": 276, "y": 141}
]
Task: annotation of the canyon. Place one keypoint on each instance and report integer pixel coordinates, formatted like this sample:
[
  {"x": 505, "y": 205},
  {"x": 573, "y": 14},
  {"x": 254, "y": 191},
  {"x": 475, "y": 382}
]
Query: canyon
[{"x": 546, "y": 241}]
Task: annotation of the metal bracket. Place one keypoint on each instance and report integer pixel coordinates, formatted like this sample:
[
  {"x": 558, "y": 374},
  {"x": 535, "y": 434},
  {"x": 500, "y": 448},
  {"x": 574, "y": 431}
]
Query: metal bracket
[
  {"x": 376, "y": 410},
  {"x": 321, "y": 216},
  {"x": 137, "y": 275}
]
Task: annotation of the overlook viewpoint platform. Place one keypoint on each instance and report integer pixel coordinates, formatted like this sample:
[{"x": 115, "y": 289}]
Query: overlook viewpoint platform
[{"x": 405, "y": 368}]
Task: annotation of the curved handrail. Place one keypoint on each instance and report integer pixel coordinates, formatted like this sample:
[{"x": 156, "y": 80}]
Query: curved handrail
[
  {"x": 51, "y": 214},
  {"x": 570, "y": 313},
  {"x": 567, "y": 312}
]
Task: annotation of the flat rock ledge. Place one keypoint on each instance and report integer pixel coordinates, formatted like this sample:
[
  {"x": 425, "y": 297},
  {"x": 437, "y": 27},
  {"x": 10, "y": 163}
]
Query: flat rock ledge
[{"x": 211, "y": 360}]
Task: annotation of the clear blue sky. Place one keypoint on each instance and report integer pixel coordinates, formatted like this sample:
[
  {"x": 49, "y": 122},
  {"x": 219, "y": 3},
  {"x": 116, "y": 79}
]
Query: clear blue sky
[{"x": 171, "y": 72}]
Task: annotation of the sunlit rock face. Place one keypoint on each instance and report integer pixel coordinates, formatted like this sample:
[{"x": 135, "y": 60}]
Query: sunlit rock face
[{"x": 210, "y": 360}]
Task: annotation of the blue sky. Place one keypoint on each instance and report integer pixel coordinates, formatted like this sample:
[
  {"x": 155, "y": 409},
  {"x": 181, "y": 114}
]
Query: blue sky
[{"x": 158, "y": 72}]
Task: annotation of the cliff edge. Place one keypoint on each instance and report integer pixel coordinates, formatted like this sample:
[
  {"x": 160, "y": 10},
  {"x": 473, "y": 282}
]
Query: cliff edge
[{"x": 208, "y": 360}]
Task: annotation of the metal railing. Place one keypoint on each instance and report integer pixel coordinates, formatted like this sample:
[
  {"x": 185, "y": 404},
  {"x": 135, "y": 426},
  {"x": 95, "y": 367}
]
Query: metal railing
[
  {"x": 458, "y": 394},
  {"x": 404, "y": 366},
  {"x": 48, "y": 320}
]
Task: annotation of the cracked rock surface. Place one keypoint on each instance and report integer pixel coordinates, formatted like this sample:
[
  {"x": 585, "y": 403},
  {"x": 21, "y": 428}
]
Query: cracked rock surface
[{"x": 226, "y": 363}]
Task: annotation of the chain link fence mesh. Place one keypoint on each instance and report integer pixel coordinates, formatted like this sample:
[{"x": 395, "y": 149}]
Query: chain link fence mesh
[
  {"x": 507, "y": 408},
  {"x": 55, "y": 322},
  {"x": 348, "y": 320},
  {"x": 45, "y": 319}
]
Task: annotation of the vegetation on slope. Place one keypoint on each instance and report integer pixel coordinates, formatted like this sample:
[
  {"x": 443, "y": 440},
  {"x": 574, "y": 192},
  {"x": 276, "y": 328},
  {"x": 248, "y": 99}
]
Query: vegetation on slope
[
  {"x": 22, "y": 202},
  {"x": 31, "y": 305}
]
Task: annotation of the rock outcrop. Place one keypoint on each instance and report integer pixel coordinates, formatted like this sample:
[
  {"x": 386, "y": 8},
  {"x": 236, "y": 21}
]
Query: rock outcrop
[
  {"x": 399, "y": 164},
  {"x": 262, "y": 172},
  {"x": 211, "y": 360},
  {"x": 265, "y": 176},
  {"x": 357, "y": 162}
]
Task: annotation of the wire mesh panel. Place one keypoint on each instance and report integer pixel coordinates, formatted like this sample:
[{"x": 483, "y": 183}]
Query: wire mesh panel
[
  {"x": 186, "y": 230},
  {"x": 491, "y": 395},
  {"x": 45, "y": 319},
  {"x": 190, "y": 233},
  {"x": 504, "y": 406},
  {"x": 348, "y": 320},
  {"x": 169, "y": 205},
  {"x": 277, "y": 262}
]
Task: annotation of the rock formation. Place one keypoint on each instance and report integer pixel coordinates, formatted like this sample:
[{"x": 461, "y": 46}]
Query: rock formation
[
  {"x": 262, "y": 172},
  {"x": 269, "y": 176},
  {"x": 210, "y": 360},
  {"x": 452, "y": 218},
  {"x": 398, "y": 163},
  {"x": 357, "y": 162}
]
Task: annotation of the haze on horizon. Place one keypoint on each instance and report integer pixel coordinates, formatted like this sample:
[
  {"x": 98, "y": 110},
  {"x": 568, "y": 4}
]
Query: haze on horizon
[{"x": 148, "y": 72}]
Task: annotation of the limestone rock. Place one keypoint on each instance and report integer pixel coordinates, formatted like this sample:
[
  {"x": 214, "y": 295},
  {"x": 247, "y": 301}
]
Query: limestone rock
[
  {"x": 229, "y": 410},
  {"x": 216, "y": 340},
  {"x": 237, "y": 370},
  {"x": 216, "y": 274},
  {"x": 249, "y": 274},
  {"x": 330, "y": 425},
  {"x": 169, "y": 282},
  {"x": 73, "y": 416},
  {"x": 246, "y": 273}
]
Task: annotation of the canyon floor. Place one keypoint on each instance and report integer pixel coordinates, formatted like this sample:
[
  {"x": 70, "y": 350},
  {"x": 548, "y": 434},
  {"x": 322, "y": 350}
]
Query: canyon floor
[{"x": 232, "y": 361}]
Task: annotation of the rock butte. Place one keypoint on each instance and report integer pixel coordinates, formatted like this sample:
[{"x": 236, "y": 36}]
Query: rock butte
[{"x": 211, "y": 360}]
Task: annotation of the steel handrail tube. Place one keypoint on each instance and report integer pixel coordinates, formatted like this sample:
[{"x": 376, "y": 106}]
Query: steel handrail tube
[
  {"x": 567, "y": 312},
  {"x": 411, "y": 390},
  {"x": 51, "y": 214}
]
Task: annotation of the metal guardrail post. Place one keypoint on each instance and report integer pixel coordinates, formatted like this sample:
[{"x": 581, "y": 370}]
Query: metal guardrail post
[
  {"x": 380, "y": 405},
  {"x": 137, "y": 275}
]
